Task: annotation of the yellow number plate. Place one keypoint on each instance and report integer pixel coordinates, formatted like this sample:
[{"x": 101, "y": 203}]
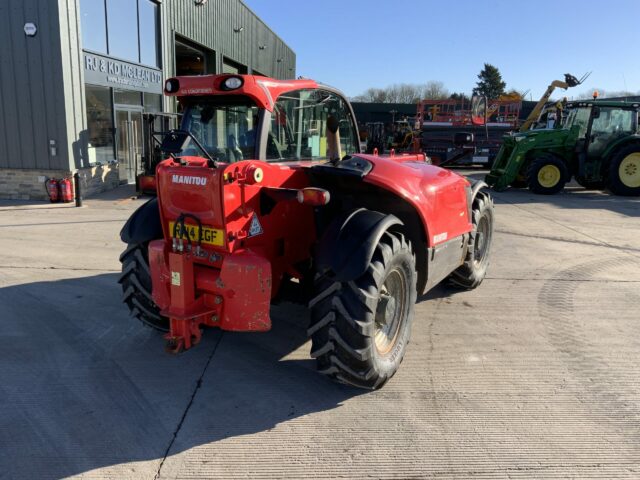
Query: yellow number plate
[{"x": 210, "y": 236}]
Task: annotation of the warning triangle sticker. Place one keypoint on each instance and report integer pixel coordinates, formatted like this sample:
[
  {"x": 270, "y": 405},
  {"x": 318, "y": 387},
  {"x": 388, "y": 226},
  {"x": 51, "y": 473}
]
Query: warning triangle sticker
[{"x": 255, "y": 228}]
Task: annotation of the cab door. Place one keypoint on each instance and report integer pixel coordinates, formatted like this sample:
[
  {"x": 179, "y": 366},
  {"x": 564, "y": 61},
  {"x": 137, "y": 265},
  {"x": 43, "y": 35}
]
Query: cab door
[{"x": 608, "y": 125}]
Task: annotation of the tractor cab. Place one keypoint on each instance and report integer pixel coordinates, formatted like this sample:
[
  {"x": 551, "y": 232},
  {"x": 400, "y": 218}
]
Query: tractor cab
[{"x": 599, "y": 125}]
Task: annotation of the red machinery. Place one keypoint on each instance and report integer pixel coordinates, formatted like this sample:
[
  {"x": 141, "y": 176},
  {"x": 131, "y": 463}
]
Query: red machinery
[
  {"x": 503, "y": 112},
  {"x": 66, "y": 190},
  {"x": 60, "y": 190},
  {"x": 52, "y": 190},
  {"x": 442, "y": 124},
  {"x": 356, "y": 236}
]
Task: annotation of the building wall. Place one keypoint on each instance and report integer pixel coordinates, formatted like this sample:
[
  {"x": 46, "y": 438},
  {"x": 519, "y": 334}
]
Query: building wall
[
  {"x": 36, "y": 103},
  {"x": 212, "y": 26},
  {"x": 73, "y": 83}
]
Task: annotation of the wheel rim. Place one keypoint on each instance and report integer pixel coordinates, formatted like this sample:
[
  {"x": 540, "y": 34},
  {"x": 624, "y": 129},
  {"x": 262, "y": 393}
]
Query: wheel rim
[
  {"x": 629, "y": 170},
  {"x": 549, "y": 176},
  {"x": 391, "y": 308},
  {"x": 481, "y": 243}
]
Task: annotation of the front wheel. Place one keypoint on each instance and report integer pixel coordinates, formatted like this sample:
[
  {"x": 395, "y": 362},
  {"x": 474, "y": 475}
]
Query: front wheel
[
  {"x": 472, "y": 272},
  {"x": 623, "y": 176},
  {"x": 547, "y": 175},
  {"x": 360, "y": 329}
]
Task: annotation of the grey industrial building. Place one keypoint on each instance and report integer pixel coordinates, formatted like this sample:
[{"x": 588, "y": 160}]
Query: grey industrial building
[{"x": 78, "y": 78}]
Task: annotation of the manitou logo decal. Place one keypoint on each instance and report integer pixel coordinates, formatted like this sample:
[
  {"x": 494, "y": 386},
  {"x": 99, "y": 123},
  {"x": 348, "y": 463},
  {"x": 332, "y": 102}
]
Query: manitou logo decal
[{"x": 189, "y": 180}]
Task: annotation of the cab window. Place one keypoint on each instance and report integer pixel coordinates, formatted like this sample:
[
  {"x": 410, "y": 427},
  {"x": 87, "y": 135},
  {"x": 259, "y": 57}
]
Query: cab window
[
  {"x": 227, "y": 131},
  {"x": 614, "y": 121},
  {"x": 579, "y": 117},
  {"x": 298, "y": 129}
]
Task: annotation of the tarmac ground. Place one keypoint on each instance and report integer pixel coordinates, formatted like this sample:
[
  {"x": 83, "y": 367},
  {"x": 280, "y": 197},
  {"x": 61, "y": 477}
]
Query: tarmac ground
[{"x": 535, "y": 374}]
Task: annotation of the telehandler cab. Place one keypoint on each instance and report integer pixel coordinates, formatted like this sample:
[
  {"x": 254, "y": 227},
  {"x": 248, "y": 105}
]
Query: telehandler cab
[{"x": 265, "y": 188}]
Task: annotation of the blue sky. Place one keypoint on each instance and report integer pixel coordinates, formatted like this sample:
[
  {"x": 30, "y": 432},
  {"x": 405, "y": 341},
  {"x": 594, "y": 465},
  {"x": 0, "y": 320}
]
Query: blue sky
[{"x": 357, "y": 44}]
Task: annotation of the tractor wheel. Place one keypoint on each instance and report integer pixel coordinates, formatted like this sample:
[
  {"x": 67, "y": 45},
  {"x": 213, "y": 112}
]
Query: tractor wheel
[
  {"x": 623, "y": 176},
  {"x": 547, "y": 175},
  {"x": 471, "y": 273},
  {"x": 136, "y": 287},
  {"x": 360, "y": 329}
]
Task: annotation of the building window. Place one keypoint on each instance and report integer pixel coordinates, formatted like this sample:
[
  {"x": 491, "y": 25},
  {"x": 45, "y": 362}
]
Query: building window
[
  {"x": 126, "y": 29},
  {"x": 94, "y": 25},
  {"x": 229, "y": 66},
  {"x": 122, "y": 19},
  {"x": 127, "y": 97},
  {"x": 152, "y": 103},
  {"x": 148, "y": 20},
  {"x": 189, "y": 60},
  {"x": 99, "y": 124}
]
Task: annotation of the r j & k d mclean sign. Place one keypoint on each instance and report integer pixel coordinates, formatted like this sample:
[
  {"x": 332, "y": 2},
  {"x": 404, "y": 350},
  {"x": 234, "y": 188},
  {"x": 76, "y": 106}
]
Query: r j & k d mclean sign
[{"x": 109, "y": 72}]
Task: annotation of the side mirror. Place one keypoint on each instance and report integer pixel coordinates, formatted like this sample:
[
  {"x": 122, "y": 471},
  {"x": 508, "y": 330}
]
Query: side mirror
[
  {"x": 462, "y": 138},
  {"x": 595, "y": 112}
]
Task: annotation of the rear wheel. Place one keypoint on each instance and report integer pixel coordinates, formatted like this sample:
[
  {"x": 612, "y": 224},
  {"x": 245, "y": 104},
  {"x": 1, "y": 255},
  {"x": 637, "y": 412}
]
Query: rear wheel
[
  {"x": 547, "y": 175},
  {"x": 471, "y": 273},
  {"x": 623, "y": 176},
  {"x": 136, "y": 287},
  {"x": 360, "y": 329}
]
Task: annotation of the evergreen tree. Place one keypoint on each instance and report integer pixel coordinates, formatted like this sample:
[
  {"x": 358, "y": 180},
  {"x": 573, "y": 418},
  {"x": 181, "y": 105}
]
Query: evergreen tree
[{"x": 490, "y": 82}]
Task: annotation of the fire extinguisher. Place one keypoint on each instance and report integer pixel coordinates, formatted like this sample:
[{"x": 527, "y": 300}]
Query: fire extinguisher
[
  {"x": 52, "y": 190},
  {"x": 66, "y": 190}
]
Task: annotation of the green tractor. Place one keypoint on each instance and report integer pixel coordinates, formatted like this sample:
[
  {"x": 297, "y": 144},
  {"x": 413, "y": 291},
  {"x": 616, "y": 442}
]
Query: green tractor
[{"x": 598, "y": 145}]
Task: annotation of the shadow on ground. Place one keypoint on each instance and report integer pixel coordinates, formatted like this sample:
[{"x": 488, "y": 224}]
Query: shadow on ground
[
  {"x": 83, "y": 386},
  {"x": 573, "y": 197}
]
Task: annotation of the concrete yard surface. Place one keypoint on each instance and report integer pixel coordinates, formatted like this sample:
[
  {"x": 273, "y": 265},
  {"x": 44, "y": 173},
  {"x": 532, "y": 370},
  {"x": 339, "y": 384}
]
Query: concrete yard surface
[{"x": 535, "y": 374}]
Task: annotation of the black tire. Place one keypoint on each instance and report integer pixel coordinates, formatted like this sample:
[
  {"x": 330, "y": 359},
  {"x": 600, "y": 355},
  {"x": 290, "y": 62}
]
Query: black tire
[
  {"x": 623, "y": 171},
  {"x": 472, "y": 272},
  {"x": 535, "y": 174},
  {"x": 347, "y": 328},
  {"x": 136, "y": 287}
]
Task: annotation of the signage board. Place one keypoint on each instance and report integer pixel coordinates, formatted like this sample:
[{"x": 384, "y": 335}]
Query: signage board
[{"x": 110, "y": 72}]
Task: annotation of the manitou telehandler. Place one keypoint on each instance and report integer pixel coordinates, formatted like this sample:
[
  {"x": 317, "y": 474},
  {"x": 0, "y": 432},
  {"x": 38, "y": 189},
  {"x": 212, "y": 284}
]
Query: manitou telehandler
[{"x": 265, "y": 189}]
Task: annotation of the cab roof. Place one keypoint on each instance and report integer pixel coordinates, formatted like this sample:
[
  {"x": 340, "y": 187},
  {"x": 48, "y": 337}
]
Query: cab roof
[
  {"x": 262, "y": 90},
  {"x": 603, "y": 103}
]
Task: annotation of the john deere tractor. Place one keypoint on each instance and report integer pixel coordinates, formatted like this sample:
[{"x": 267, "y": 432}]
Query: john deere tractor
[{"x": 599, "y": 145}]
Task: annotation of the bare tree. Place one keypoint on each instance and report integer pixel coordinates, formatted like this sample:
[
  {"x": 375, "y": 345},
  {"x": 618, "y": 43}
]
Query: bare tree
[
  {"x": 434, "y": 90},
  {"x": 403, "y": 93},
  {"x": 602, "y": 93}
]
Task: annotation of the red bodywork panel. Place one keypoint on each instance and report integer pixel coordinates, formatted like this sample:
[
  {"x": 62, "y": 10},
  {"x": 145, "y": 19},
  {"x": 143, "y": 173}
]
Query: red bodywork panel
[
  {"x": 146, "y": 184},
  {"x": 262, "y": 90},
  {"x": 230, "y": 280},
  {"x": 438, "y": 195}
]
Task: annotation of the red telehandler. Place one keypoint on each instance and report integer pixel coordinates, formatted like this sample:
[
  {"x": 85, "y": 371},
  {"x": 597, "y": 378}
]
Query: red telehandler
[{"x": 264, "y": 188}]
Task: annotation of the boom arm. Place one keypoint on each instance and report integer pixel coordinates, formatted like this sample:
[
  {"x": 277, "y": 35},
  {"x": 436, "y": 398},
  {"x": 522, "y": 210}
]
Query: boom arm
[{"x": 569, "y": 81}]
